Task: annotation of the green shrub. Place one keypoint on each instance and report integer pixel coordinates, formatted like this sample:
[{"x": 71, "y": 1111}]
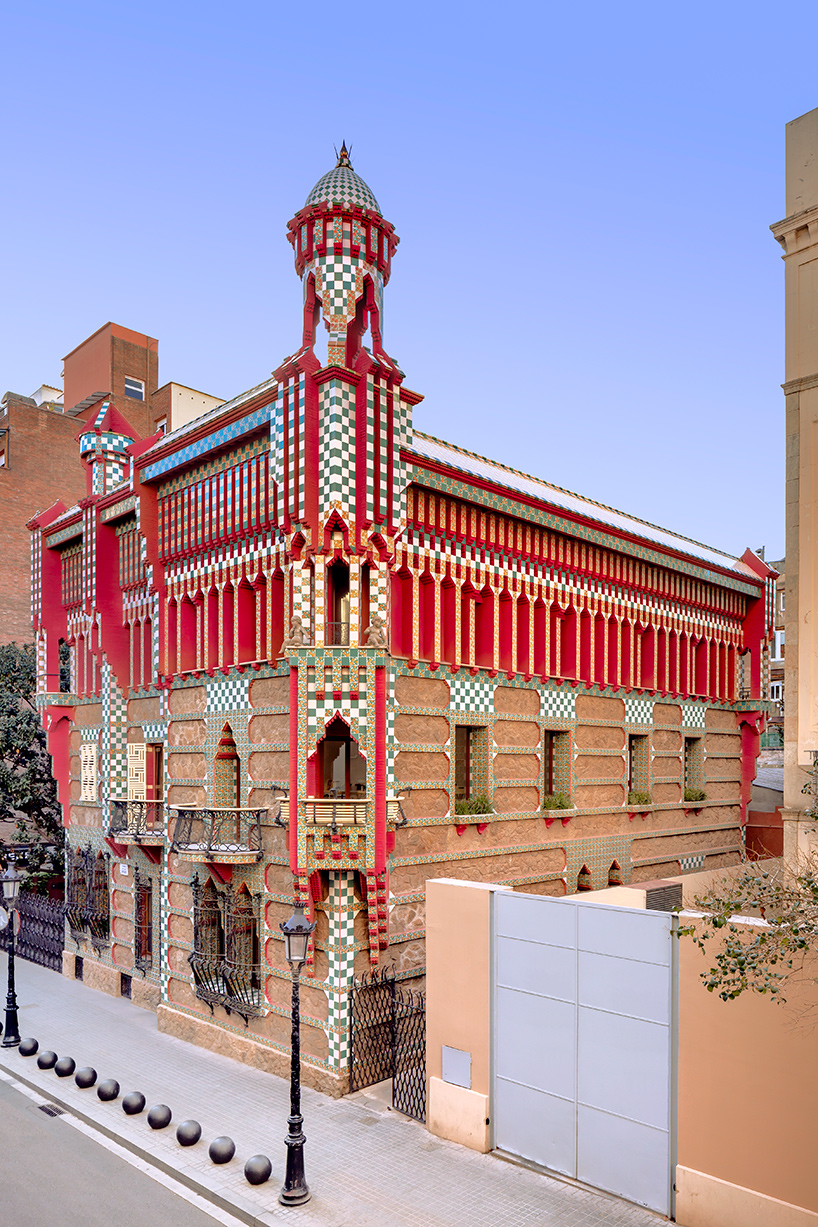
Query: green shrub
[
  {"x": 473, "y": 805},
  {"x": 639, "y": 798},
  {"x": 695, "y": 794},
  {"x": 556, "y": 800}
]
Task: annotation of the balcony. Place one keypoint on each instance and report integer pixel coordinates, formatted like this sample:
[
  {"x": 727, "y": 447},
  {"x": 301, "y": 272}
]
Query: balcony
[
  {"x": 335, "y": 811},
  {"x": 137, "y": 822},
  {"x": 225, "y": 836},
  {"x": 336, "y": 634}
]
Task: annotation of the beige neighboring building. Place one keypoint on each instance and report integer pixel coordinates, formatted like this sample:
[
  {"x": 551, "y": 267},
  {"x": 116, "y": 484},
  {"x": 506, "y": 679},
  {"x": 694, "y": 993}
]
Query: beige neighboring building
[
  {"x": 798, "y": 235},
  {"x": 173, "y": 405}
]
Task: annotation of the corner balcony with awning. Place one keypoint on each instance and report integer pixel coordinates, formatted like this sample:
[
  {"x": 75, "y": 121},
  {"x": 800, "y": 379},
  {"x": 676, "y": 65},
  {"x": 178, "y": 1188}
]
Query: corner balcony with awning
[{"x": 227, "y": 836}]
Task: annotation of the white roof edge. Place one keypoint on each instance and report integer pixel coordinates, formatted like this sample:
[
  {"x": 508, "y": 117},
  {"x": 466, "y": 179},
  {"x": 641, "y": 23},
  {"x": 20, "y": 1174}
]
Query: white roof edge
[
  {"x": 211, "y": 414},
  {"x": 479, "y": 466}
]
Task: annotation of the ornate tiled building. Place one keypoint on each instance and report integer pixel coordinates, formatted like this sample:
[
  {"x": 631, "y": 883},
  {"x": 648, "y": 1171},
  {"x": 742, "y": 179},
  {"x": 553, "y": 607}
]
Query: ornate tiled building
[{"x": 316, "y": 651}]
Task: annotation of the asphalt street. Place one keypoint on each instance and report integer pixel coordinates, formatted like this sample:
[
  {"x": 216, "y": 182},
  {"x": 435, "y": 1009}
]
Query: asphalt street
[{"x": 51, "y": 1173}]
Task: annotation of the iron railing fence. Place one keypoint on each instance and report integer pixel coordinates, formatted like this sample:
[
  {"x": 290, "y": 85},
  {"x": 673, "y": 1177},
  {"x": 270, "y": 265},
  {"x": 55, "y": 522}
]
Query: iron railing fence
[
  {"x": 213, "y": 830},
  {"x": 137, "y": 818},
  {"x": 42, "y": 931},
  {"x": 409, "y": 1077},
  {"x": 371, "y": 1030},
  {"x": 387, "y": 1039}
]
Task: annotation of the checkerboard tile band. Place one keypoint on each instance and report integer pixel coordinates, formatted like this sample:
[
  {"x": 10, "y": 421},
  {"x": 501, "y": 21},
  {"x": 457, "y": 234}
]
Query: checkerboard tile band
[
  {"x": 693, "y": 715},
  {"x": 341, "y": 956},
  {"x": 638, "y": 711},
  {"x": 471, "y": 694},
  {"x": 229, "y": 694},
  {"x": 557, "y": 704},
  {"x": 689, "y": 864}
]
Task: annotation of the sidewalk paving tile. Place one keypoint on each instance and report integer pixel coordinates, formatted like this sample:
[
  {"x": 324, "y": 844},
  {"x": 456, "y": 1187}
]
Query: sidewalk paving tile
[{"x": 366, "y": 1165}]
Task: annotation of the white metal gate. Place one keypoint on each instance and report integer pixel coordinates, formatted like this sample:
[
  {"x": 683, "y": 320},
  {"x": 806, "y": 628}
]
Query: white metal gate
[{"x": 585, "y": 1042}]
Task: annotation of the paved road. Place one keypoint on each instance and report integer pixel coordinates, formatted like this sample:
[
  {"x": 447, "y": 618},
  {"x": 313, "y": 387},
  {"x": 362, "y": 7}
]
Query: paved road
[{"x": 50, "y": 1173}]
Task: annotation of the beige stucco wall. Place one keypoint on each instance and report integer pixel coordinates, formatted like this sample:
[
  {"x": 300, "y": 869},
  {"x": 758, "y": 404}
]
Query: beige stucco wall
[
  {"x": 798, "y": 235},
  {"x": 748, "y": 1085},
  {"x": 748, "y": 1069},
  {"x": 458, "y": 1006}
]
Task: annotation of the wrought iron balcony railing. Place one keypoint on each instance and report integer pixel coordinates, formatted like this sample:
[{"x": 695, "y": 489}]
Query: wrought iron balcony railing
[
  {"x": 336, "y": 634},
  {"x": 236, "y": 986},
  {"x": 137, "y": 819},
  {"x": 214, "y": 834}
]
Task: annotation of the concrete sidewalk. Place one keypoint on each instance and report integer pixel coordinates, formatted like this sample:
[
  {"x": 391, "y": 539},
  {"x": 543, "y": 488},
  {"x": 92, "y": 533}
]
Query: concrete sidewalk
[{"x": 366, "y": 1166}]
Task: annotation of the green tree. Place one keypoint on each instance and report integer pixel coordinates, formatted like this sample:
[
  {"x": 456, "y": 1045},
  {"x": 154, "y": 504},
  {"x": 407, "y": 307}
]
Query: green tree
[
  {"x": 28, "y": 791},
  {"x": 765, "y": 920}
]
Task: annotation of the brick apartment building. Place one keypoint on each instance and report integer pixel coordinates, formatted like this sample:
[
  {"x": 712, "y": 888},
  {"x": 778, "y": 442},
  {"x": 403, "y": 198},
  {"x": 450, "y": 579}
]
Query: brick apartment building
[{"x": 39, "y": 459}]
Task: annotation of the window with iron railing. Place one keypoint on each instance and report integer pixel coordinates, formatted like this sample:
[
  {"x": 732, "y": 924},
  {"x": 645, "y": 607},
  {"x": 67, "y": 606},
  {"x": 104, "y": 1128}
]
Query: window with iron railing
[
  {"x": 225, "y": 960},
  {"x": 87, "y": 898},
  {"x": 143, "y": 922}
]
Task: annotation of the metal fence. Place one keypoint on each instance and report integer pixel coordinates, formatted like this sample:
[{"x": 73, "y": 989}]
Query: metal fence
[
  {"x": 387, "y": 1039},
  {"x": 42, "y": 931}
]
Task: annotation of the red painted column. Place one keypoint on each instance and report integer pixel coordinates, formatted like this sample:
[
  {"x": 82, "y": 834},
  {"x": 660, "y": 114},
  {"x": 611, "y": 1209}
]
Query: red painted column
[{"x": 380, "y": 769}]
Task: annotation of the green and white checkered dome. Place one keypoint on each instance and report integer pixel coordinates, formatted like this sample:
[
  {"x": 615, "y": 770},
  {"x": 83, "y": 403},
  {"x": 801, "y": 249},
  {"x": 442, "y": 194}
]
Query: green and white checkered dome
[{"x": 342, "y": 186}]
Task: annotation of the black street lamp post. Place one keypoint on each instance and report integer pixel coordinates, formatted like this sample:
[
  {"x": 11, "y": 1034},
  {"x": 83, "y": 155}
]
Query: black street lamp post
[
  {"x": 11, "y": 880},
  {"x": 296, "y": 932}
]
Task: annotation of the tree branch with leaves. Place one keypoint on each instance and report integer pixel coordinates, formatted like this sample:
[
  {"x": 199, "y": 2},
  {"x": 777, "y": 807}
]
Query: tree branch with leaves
[{"x": 766, "y": 922}]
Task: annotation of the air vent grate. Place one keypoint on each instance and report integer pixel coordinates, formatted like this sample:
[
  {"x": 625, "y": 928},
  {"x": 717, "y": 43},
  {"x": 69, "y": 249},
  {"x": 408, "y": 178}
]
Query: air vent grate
[{"x": 664, "y": 898}]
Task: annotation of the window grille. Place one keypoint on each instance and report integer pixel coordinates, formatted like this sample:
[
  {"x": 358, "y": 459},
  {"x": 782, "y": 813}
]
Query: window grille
[
  {"x": 87, "y": 898},
  {"x": 226, "y": 961},
  {"x": 143, "y": 922}
]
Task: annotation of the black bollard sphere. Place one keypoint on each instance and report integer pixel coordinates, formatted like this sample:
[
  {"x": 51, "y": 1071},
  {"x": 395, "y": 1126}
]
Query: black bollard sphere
[
  {"x": 221, "y": 1150},
  {"x": 258, "y": 1169},
  {"x": 133, "y": 1103},
  {"x": 109, "y": 1089},
  {"x": 85, "y": 1077},
  {"x": 65, "y": 1067},
  {"x": 188, "y": 1133},
  {"x": 27, "y": 1048},
  {"x": 47, "y": 1060},
  {"x": 160, "y": 1116}
]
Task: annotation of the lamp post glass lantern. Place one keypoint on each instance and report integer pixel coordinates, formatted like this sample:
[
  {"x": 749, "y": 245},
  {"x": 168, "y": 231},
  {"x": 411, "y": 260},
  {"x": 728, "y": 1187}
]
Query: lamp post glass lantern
[
  {"x": 296, "y": 932},
  {"x": 11, "y": 880}
]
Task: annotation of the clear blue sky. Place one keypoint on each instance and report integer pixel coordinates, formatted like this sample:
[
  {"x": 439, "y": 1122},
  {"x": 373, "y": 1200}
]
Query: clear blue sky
[{"x": 586, "y": 286}]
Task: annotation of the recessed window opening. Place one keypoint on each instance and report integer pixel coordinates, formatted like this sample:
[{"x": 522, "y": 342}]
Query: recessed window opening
[
  {"x": 470, "y": 762},
  {"x": 342, "y": 766},
  {"x": 135, "y": 388},
  {"x": 692, "y": 763},
  {"x": 338, "y": 604},
  {"x": 638, "y": 766}
]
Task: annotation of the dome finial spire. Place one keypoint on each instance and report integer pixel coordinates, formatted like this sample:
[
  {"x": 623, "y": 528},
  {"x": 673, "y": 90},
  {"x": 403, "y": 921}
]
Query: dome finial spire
[{"x": 343, "y": 156}]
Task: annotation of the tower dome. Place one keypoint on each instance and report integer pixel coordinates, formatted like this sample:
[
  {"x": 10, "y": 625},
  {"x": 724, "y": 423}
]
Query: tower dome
[{"x": 342, "y": 186}]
